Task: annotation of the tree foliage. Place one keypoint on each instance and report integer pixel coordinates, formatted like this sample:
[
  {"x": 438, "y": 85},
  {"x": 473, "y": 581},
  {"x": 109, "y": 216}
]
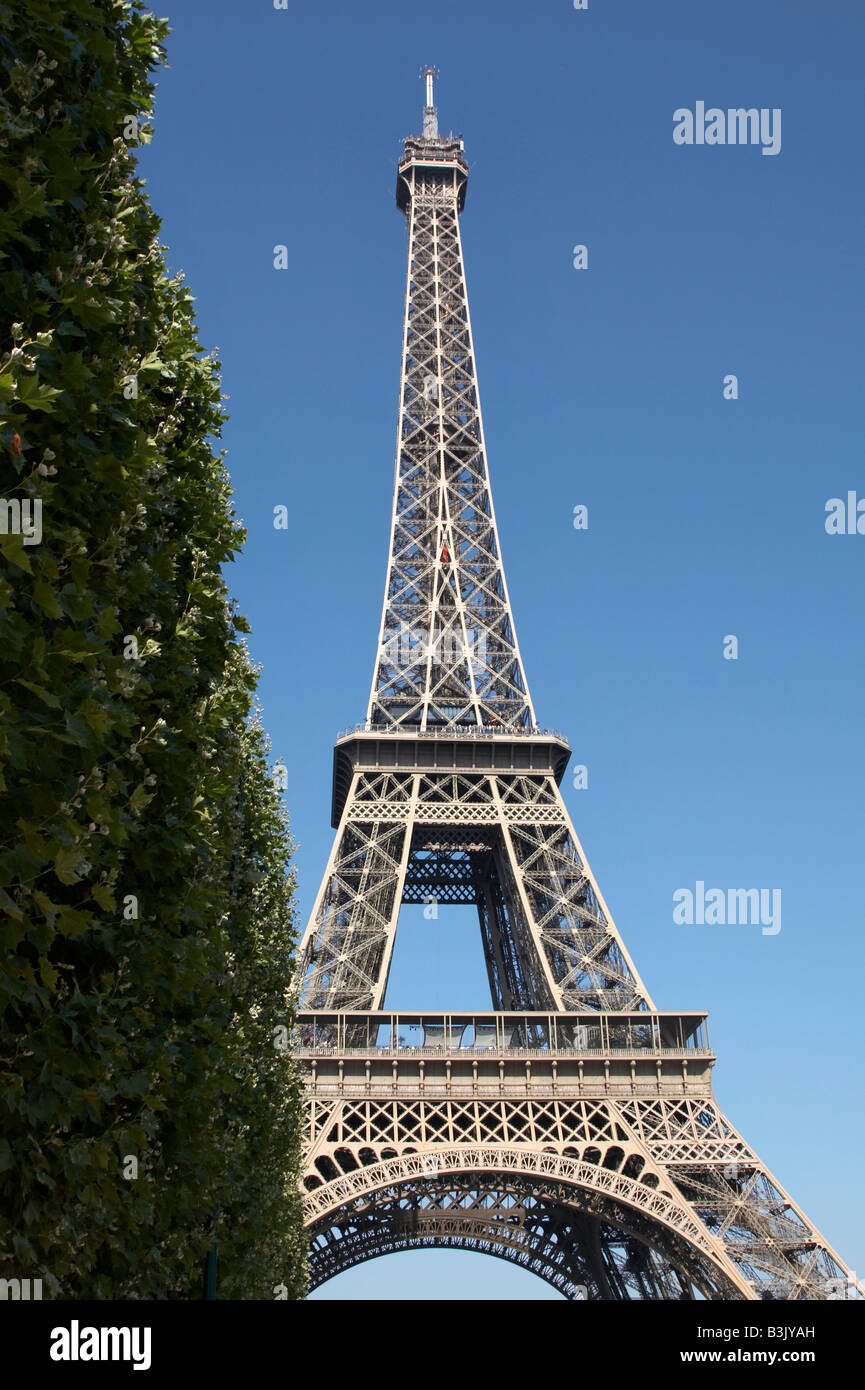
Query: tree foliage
[{"x": 145, "y": 906}]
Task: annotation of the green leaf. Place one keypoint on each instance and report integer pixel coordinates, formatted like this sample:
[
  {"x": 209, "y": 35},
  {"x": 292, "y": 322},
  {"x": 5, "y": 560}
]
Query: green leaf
[
  {"x": 34, "y": 395},
  {"x": 47, "y": 973},
  {"x": 9, "y": 905},
  {"x": 140, "y": 798},
  {"x": 44, "y": 695},
  {"x": 13, "y": 550},
  {"x": 64, "y": 863},
  {"x": 47, "y": 600},
  {"x": 44, "y": 903}
]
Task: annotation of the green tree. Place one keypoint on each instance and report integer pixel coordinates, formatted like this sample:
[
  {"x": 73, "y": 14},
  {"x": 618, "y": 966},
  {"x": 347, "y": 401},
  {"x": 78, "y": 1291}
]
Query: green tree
[{"x": 143, "y": 968}]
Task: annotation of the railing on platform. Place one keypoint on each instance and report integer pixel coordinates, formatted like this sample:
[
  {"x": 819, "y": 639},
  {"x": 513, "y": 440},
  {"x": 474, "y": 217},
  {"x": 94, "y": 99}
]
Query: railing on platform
[
  {"x": 529, "y": 1034},
  {"x": 473, "y": 731}
]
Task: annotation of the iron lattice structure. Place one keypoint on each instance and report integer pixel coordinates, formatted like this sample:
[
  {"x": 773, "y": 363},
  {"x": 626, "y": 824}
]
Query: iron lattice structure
[{"x": 572, "y": 1130}]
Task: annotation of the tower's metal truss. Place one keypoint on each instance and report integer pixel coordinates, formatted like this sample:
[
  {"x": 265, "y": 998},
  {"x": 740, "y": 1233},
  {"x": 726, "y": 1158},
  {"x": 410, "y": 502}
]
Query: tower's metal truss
[
  {"x": 448, "y": 655},
  {"x": 501, "y": 841},
  {"x": 574, "y": 1130}
]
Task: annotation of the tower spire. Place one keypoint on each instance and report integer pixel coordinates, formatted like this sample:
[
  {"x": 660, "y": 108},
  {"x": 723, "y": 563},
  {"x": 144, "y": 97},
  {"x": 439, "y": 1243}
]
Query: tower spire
[{"x": 430, "y": 119}]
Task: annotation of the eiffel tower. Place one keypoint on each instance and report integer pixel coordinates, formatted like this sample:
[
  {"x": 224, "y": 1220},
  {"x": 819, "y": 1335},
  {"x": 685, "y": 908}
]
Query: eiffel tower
[{"x": 572, "y": 1129}]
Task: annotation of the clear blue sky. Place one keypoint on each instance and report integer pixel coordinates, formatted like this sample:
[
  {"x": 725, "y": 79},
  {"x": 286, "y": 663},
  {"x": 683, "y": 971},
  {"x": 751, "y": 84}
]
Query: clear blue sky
[{"x": 602, "y": 387}]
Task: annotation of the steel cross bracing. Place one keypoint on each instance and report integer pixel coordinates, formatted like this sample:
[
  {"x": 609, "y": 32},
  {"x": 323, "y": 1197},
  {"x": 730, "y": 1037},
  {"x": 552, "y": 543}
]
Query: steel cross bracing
[
  {"x": 502, "y": 841},
  {"x": 574, "y": 1131},
  {"x": 448, "y": 654}
]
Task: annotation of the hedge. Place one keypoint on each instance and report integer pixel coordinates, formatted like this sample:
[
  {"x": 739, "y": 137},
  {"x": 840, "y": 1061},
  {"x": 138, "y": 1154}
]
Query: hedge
[{"x": 145, "y": 895}]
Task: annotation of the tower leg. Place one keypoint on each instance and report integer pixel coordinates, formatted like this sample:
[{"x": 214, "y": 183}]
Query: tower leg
[{"x": 348, "y": 945}]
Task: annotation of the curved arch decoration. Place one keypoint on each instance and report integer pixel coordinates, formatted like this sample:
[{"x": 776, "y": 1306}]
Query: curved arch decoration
[{"x": 368, "y": 1212}]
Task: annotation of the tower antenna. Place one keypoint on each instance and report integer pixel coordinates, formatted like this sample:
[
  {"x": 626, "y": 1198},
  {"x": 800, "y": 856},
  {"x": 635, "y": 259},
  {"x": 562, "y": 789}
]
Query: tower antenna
[{"x": 430, "y": 120}]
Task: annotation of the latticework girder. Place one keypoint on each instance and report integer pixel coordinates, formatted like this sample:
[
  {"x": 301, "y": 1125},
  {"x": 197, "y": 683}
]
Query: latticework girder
[
  {"x": 448, "y": 654},
  {"x": 663, "y": 1176},
  {"x": 502, "y": 842}
]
